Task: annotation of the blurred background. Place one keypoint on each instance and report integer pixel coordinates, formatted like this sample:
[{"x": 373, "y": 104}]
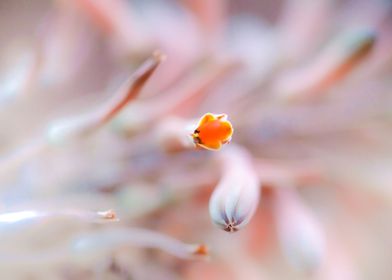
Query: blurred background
[{"x": 306, "y": 85}]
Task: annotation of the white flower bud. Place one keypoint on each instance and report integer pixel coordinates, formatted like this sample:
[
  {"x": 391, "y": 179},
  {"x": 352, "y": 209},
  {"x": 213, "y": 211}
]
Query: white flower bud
[
  {"x": 300, "y": 234},
  {"x": 236, "y": 196}
]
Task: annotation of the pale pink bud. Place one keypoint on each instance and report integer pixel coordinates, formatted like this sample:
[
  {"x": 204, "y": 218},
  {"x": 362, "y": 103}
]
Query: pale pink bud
[
  {"x": 300, "y": 234},
  {"x": 236, "y": 196}
]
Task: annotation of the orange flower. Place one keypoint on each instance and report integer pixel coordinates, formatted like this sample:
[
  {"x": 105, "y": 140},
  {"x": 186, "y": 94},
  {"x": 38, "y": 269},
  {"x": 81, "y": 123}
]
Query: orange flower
[{"x": 213, "y": 131}]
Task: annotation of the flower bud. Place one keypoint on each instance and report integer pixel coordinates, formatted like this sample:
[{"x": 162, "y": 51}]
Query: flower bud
[
  {"x": 300, "y": 234},
  {"x": 236, "y": 196}
]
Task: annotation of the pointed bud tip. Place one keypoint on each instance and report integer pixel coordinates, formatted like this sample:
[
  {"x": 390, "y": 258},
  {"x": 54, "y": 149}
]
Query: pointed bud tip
[
  {"x": 231, "y": 228},
  {"x": 159, "y": 56},
  {"x": 108, "y": 215},
  {"x": 201, "y": 250}
]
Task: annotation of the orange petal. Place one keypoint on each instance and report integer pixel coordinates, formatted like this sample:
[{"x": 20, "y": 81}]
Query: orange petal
[
  {"x": 228, "y": 129},
  {"x": 208, "y": 117}
]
